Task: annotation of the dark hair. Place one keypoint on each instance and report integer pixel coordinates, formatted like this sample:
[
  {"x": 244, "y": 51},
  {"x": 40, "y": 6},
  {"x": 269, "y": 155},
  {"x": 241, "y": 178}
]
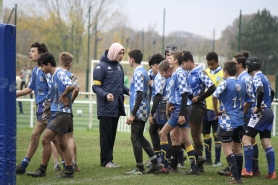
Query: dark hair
[
  {"x": 46, "y": 58},
  {"x": 155, "y": 59},
  {"x": 136, "y": 54},
  {"x": 187, "y": 56},
  {"x": 230, "y": 67},
  {"x": 241, "y": 58},
  {"x": 41, "y": 47},
  {"x": 212, "y": 56},
  {"x": 177, "y": 55},
  {"x": 164, "y": 65}
]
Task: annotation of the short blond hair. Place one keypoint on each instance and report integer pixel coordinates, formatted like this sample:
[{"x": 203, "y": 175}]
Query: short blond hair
[{"x": 65, "y": 58}]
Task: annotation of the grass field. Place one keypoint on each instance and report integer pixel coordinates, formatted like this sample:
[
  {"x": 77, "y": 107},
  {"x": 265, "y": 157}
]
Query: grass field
[{"x": 91, "y": 173}]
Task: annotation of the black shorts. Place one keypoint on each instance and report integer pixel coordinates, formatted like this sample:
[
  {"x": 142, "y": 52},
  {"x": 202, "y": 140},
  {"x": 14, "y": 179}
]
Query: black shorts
[
  {"x": 59, "y": 122},
  {"x": 228, "y": 136},
  {"x": 197, "y": 113},
  {"x": 70, "y": 127},
  {"x": 252, "y": 132}
]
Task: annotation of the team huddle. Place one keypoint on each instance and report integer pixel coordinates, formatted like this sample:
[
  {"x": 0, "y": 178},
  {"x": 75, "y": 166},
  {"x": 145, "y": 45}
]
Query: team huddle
[{"x": 234, "y": 101}]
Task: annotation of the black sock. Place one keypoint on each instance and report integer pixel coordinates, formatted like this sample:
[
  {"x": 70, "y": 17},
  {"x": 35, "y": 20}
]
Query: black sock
[
  {"x": 175, "y": 156},
  {"x": 231, "y": 159},
  {"x": 239, "y": 162},
  {"x": 43, "y": 168}
]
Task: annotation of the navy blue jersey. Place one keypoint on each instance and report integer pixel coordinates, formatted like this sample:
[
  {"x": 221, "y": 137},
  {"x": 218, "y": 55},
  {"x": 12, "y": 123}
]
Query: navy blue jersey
[
  {"x": 231, "y": 93},
  {"x": 261, "y": 80},
  {"x": 140, "y": 82}
]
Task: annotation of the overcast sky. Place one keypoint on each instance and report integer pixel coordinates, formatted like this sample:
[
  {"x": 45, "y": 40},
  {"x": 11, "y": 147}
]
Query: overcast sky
[
  {"x": 200, "y": 17},
  {"x": 195, "y": 16}
]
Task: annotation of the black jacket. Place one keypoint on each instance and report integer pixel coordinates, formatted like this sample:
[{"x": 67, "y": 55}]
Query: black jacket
[{"x": 108, "y": 77}]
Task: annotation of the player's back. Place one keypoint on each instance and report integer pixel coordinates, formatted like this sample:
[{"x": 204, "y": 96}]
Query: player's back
[{"x": 232, "y": 99}]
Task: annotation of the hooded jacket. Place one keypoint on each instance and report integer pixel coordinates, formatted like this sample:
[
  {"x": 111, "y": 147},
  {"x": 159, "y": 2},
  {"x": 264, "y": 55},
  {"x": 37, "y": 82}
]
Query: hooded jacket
[{"x": 108, "y": 78}]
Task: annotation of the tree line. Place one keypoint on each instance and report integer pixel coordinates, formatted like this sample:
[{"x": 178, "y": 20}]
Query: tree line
[{"x": 64, "y": 26}]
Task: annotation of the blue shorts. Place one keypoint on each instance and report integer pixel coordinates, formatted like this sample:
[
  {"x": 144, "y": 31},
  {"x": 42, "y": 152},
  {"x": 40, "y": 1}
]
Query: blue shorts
[
  {"x": 43, "y": 111},
  {"x": 174, "y": 117},
  {"x": 160, "y": 114},
  {"x": 263, "y": 120},
  {"x": 209, "y": 115}
]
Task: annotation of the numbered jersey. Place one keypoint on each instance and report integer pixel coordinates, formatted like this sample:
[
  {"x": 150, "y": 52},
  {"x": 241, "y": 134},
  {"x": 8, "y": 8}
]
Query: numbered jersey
[
  {"x": 231, "y": 93},
  {"x": 261, "y": 80}
]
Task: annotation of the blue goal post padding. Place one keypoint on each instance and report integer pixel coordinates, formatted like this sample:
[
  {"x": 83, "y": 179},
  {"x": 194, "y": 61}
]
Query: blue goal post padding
[{"x": 7, "y": 104}]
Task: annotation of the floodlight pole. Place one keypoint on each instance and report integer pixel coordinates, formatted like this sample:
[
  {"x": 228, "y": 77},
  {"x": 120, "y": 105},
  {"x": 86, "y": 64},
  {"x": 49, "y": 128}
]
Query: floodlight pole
[
  {"x": 239, "y": 32},
  {"x": 163, "y": 32},
  {"x": 88, "y": 54}
]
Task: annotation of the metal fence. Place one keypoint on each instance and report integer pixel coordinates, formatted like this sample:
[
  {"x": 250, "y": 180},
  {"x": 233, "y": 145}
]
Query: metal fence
[{"x": 88, "y": 118}]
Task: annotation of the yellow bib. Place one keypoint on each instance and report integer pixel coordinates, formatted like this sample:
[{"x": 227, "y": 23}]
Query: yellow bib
[{"x": 216, "y": 79}]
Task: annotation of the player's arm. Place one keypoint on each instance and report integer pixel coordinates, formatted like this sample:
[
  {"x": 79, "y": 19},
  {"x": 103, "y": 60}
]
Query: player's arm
[
  {"x": 246, "y": 107},
  {"x": 99, "y": 74},
  {"x": 206, "y": 94},
  {"x": 156, "y": 101},
  {"x": 76, "y": 89},
  {"x": 272, "y": 94},
  {"x": 215, "y": 96},
  {"x": 138, "y": 101},
  {"x": 260, "y": 95},
  {"x": 24, "y": 91},
  {"x": 208, "y": 83}
]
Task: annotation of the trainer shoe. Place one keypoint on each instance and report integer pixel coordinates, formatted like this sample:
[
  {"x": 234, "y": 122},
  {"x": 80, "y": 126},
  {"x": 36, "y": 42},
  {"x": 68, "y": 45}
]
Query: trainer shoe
[
  {"x": 200, "y": 160},
  {"x": 154, "y": 168},
  {"x": 65, "y": 174},
  {"x": 172, "y": 170},
  {"x": 37, "y": 173},
  {"x": 19, "y": 170},
  {"x": 272, "y": 176},
  {"x": 193, "y": 172},
  {"x": 180, "y": 165},
  {"x": 245, "y": 173},
  {"x": 57, "y": 168},
  {"x": 217, "y": 164},
  {"x": 233, "y": 181},
  {"x": 163, "y": 170},
  {"x": 112, "y": 165},
  {"x": 75, "y": 167},
  {"x": 225, "y": 172},
  {"x": 257, "y": 173},
  {"x": 136, "y": 171}
]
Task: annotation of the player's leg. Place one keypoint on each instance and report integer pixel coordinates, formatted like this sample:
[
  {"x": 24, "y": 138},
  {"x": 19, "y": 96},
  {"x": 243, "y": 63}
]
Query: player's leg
[
  {"x": 176, "y": 148},
  {"x": 153, "y": 131},
  {"x": 55, "y": 157},
  {"x": 217, "y": 144},
  {"x": 34, "y": 143}
]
